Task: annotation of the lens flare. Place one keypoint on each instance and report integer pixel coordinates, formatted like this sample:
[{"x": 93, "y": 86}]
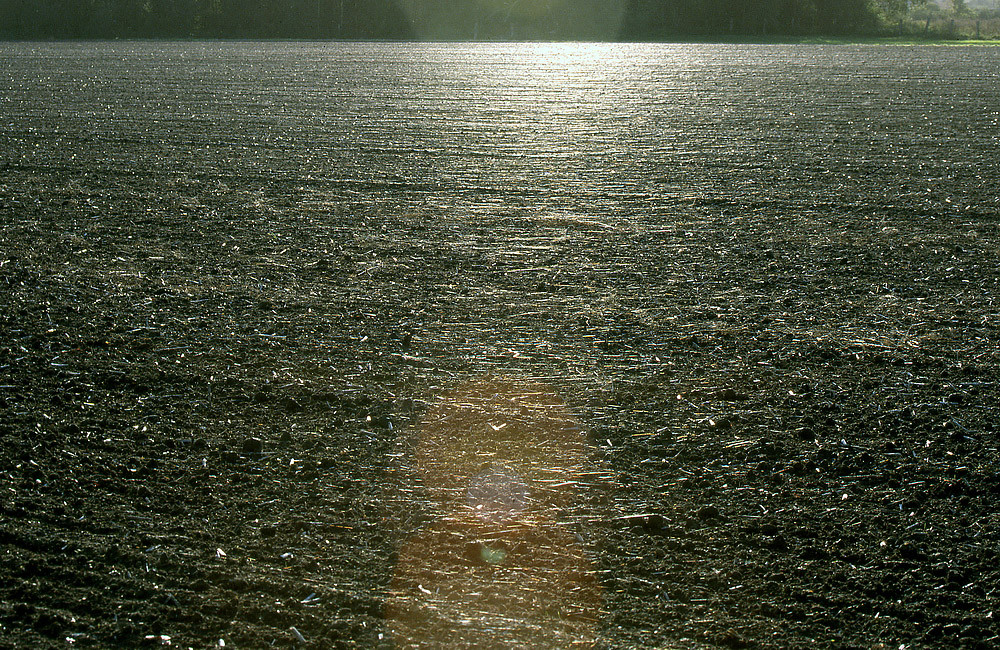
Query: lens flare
[
  {"x": 498, "y": 494},
  {"x": 498, "y": 435},
  {"x": 498, "y": 567}
]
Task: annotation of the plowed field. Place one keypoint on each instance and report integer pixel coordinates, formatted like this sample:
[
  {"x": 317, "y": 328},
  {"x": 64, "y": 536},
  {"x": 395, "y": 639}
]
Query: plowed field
[{"x": 346, "y": 345}]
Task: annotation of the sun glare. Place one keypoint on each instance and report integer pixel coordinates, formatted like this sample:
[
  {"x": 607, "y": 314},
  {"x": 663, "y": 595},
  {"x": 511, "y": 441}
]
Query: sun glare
[{"x": 515, "y": 20}]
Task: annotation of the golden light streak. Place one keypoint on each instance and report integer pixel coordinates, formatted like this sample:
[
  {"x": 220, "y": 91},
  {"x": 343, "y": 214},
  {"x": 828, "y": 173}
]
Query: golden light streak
[{"x": 497, "y": 568}]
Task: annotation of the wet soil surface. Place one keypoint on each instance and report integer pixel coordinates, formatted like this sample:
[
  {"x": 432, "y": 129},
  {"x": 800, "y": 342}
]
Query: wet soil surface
[{"x": 214, "y": 369}]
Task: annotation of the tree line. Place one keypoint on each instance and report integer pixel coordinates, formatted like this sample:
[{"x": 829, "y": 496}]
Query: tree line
[
  {"x": 668, "y": 18},
  {"x": 374, "y": 19},
  {"x": 459, "y": 19}
]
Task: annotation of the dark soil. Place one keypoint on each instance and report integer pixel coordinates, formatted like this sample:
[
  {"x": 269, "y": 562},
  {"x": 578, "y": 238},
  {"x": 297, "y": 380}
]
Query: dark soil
[{"x": 212, "y": 387}]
